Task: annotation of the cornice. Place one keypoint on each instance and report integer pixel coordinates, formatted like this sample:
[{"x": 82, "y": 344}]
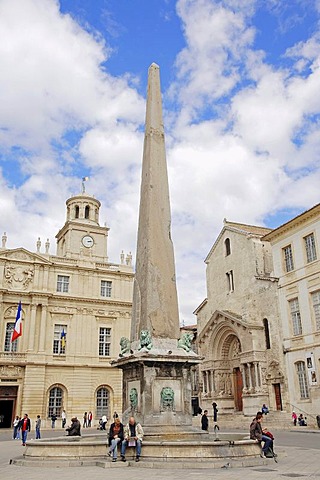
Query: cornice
[{"x": 295, "y": 222}]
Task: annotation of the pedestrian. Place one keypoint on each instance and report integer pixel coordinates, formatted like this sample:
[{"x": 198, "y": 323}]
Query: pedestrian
[
  {"x": 115, "y": 415},
  {"x": 89, "y": 419},
  {"x": 115, "y": 437},
  {"x": 25, "y": 427},
  {"x": 215, "y": 412},
  {"x": 38, "y": 426},
  {"x": 104, "y": 422},
  {"x": 294, "y": 418},
  {"x": 16, "y": 433},
  {"x": 75, "y": 428},
  {"x": 85, "y": 420},
  {"x": 53, "y": 420},
  {"x": 64, "y": 418},
  {"x": 205, "y": 421},
  {"x": 133, "y": 435},
  {"x": 265, "y": 409}
]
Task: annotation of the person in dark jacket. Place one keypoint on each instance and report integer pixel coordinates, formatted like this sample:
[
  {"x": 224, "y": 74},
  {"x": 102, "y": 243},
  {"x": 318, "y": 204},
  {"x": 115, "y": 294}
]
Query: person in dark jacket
[
  {"x": 256, "y": 433},
  {"x": 75, "y": 428},
  {"x": 215, "y": 412},
  {"x": 205, "y": 421},
  {"x": 115, "y": 437}
]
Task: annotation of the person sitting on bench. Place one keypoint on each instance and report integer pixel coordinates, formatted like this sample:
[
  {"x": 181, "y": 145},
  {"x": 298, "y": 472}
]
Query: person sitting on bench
[{"x": 133, "y": 434}]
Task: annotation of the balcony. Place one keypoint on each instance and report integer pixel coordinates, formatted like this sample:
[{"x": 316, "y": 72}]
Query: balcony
[{"x": 13, "y": 356}]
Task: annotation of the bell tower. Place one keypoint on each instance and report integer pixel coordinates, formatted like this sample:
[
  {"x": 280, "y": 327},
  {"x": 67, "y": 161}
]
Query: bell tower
[{"x": 81, "y": 235}]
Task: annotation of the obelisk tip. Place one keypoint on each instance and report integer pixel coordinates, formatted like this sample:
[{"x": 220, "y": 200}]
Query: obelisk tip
[{"x": 153, "y": 65}]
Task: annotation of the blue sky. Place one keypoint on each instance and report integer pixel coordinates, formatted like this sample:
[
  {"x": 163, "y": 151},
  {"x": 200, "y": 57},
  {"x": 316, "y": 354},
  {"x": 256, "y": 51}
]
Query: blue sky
[{"x": 240, "y": 82}]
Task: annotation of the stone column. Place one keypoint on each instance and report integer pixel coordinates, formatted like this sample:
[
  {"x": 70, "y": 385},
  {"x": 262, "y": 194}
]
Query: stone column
[
  {"x": 243, "y": 373},
  {"x": 43, "y": 329},
  {"x": 203, "y": 381},
  {"x": 256, "y": 370},
  {"x": 249, "y": 375},
  {"x": 212, "y": 381},
  {"x": 32, "y": 327}
]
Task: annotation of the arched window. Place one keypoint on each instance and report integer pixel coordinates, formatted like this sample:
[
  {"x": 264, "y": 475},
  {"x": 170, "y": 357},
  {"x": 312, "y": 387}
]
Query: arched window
[
  {"x": 227, "y": 246},
  {"x": 86, "y": 211},
  {"x": 266, "y": 333},
  {"x": 76, "y": 211},
  {"x": 302, "y": 379},
  {"x": 55, "y": 401},
  {"x": 8, "y": 345},
  {"x": 102, "y": 402}
]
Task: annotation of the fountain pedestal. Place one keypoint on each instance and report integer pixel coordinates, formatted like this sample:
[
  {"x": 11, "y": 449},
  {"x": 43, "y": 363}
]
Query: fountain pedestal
[{"x": 162, "y": 384}]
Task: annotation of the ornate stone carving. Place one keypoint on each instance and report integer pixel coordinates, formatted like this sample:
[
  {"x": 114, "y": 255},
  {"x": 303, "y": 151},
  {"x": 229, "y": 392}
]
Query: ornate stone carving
[
  {"x": 18, "y": 276},
  {"x": 10, "y": 371},
  {"x": 145, "y": 340},
  {"x": 185, "y": 342},
  {"x": 10, "y": 312},
  {"x": 167, "y": 399},
  {"x": 274, "y": 372},
  {"x": 236, "y": 349},
  {"x": 125, "y": 346},
  {"x": 133, "y": 395}
]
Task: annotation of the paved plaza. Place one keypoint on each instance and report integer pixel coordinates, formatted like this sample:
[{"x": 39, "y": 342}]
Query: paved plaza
[{"x": 299, "y": 454}]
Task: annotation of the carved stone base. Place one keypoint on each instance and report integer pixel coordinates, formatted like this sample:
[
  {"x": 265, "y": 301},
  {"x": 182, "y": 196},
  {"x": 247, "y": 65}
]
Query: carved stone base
[{"x": 157, "y": 389}]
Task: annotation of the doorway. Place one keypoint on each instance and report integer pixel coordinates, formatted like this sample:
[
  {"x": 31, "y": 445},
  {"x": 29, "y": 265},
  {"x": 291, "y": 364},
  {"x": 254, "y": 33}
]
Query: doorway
[
  {"x": 8, "y": 396},
  {"x": 6, "y": 412},
  {"x": 238, "y": 386},
  {"x": 277, "y": 394}
]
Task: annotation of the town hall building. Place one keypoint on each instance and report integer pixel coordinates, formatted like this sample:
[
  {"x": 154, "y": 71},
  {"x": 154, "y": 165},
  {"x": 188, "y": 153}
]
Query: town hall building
[{"x": 76, "y": 306}]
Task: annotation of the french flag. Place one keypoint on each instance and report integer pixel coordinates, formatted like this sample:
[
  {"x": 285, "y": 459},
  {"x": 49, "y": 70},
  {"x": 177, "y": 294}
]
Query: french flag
[{"x": 17, "y": 331}]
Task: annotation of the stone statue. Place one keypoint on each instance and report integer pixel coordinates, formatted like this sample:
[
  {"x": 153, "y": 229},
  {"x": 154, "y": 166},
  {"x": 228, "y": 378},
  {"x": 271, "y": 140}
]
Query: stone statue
[
  {"x": 145, "y": 340},
  {"x": 133, "y": 395},
  {"x": 125, "y": 346},
  {"x": 185, "y": 341},
  {"x": 167, "y": 399}
]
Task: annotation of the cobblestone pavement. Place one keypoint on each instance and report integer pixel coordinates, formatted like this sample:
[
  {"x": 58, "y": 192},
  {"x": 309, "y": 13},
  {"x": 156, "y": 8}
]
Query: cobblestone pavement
[{"x": 298, "y": 462}]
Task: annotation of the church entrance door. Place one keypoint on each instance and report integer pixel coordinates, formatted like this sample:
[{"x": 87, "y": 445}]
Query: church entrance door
[
  {"x": 277, "y": 394},
  {"x": 238, "y": 386}
]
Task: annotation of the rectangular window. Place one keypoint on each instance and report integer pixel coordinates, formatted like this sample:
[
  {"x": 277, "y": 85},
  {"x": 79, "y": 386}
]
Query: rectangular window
[
  {"x": 8, "y": 345},
  {"x": 230, "y": 281},
  {"x": 310, "y": 248},
  {"x": 302, "y": 378},
  {"x": 106, "y": 288},
  {"x": 63, "y": 284},
  {"x": 59, "y": 339},
  {"x": 295, "y": 316},
  {"x": 316, "y": 308},
  {"x": 288, "y": 258},
  {"x": 104, "y": 341}
]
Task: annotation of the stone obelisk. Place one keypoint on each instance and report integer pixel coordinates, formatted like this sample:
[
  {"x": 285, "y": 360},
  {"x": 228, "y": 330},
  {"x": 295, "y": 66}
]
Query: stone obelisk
[
  {"x": 157, "y": 361},
  {"x": 155, "y": 304}
]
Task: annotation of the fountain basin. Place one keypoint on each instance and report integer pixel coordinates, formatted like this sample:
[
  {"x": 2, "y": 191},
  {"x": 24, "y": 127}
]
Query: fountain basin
[{"x": 184, "y": 446}]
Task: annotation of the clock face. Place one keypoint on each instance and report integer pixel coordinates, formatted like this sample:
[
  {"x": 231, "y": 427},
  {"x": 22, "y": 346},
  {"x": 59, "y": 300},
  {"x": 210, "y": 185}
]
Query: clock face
[{"x": 87, "y": 241}]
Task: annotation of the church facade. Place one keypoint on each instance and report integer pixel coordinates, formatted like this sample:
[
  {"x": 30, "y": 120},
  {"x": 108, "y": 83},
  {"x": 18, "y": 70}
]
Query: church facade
[
  {"x": 239, "y": 327},
  {"x": 76, "y": 306}
]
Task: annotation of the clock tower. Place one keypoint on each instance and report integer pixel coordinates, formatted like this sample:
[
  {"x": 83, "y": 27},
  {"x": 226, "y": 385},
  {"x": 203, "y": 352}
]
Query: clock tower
[{"x": 81, "y": 235}]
